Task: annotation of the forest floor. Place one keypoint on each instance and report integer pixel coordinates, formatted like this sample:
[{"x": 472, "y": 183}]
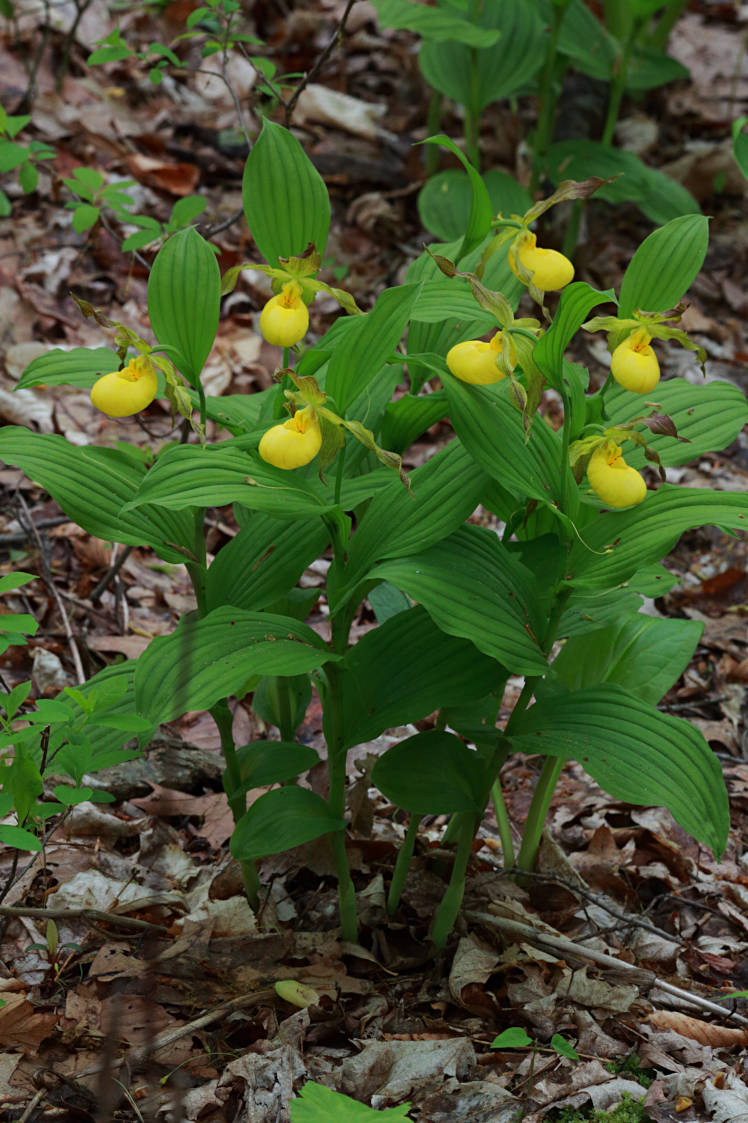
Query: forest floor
[{"x": 628, "y": 937}]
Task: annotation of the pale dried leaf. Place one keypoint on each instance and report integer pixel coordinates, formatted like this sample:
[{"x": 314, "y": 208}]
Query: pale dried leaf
[{"x": 719, "y": 1037}]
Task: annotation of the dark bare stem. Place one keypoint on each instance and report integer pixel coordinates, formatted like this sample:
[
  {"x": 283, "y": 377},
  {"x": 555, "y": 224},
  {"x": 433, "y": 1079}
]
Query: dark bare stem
[{"x": 291, "y": 105}]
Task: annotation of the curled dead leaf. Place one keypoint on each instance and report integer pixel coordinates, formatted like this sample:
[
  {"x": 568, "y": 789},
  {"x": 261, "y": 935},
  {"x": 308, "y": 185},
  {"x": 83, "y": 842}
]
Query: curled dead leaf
[{"x": 719, "y": 1037}]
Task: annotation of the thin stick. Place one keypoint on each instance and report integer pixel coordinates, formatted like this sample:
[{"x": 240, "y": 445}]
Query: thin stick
[
  {"x": 97, "y": 916},
  {"x": 110, "y": 574},
  {"x": 289, "y": 108},
  {"x": 638, "y": 975}
]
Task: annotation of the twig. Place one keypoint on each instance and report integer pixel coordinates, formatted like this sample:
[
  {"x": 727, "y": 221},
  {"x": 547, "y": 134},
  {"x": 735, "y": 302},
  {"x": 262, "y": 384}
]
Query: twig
[
  {"x": 96, "y": 916},
  {"x": 218, "y": 227},
  {"x": 32, "y": 1106},
  {"x": 291, "y": 104},
  {"x": 638, "y": 975},
  {"x": 46, "y": 576},
  {"x": 18, "y": 537},
  {"x": 111, "y": 573}
]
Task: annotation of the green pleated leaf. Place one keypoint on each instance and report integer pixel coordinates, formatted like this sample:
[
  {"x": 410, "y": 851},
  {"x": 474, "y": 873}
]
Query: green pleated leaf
[
  {"x": 93, "y": 486},
  {"x": 190, "y": 476},
  {"x": 617, "y": 543},
  {"x": 280, "y": 820},
  {"x": 407, "y": 418},
  {"x": 207, "y": 659},
  {"x": 284, "y": 196},
  {"x": 264, "y": 560},
  {"x": 635, "y": 753},
  {"x": 80, "y": 366},
  {"x": 112, "y": 691},
  {"x": 479, "y": 204},
  {"x": 709, "y": 416},
  {"x": 444, "y": 200},
  {"x": 473, "y": 587},
  {"x": 184, "y": 296},
  {"x": 368, "y": 344},
  {"x": 474, "y": 78},
  {"x": 644, "y": 654},
  {"x": 575, "y": 304},
  {"x": 436, "y": 24},
  {"x": 405, "y": 669},
  {"x": 271, "y": 762},
  {"x": 664, "y": 265},
  {"x": 432, "y": 773},
  {"x": 444, "y": 491},
  {"x": 490, "y": 427}
]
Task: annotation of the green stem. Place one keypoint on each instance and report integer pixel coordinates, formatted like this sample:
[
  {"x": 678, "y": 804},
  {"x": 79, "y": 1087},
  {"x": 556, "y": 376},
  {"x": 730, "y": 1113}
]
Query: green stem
[
  {"x": 286, "y": 358},
  {"x": 572, "y": 230},
  {"x": 666, "y": 23},
  {"x": 402, "y": 865},
  {"x": 339, "y": 475},
  {"x": 336, "y": 758},
  {"x": 502, "y": 818},
  {"x": 618, "y": 85},
  {"x": 546, "y": 104},
  {"x": 536, "y": 816},
  {"x": 452, "y": 899},
  {"x": 203, "y": 404},
  {"x": 472, "y": 114},
  {"x": 433, "y": 123}
]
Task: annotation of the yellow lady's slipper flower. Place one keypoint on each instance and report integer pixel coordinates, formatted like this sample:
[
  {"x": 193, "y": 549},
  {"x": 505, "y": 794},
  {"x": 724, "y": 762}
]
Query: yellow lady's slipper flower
[
  {"x": 634, "y": 364},
  {"x": 294, "y": 443},
  {"x": 612, "y": 479},
  {"x": 550, "y": 270},
  {"x": 475, "y": 362},
  {"x": 124, "y": 392},
  {"x": 285, "y": 318}
]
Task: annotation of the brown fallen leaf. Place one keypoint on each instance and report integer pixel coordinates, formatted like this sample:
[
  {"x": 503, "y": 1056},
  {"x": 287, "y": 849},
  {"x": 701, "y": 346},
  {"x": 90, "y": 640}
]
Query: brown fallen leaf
[
  {"x": 21, "y": 1027},
  {"x": 719, "y": 1037},
  {"x": 177, "y": 179}
]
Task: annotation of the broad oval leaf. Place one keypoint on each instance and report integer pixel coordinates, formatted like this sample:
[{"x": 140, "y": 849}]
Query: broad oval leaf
[
  {"x": 271, "y": 762},
  {"x": 94, "y": 486},
  {"x": 207, "y": 659},
  {"x": 280, "y": 820},
  {"x": 81, "y": 366},
  {"x": 436, "y": 24},
  {"x": 432, "y": 773},
  {"x": 473, "y": 587},
  {"x": 19, "y": 838},
  {"x": 576, "y": 301},
  {"x": 635, "y": 753},
  {"x": 285, "y": 199},
  {"x": 664, "y": 265},
  {"x": 444, "y": 201},
  {"x": 479, "y": 208},
  {"x": 184, "y": 296}
]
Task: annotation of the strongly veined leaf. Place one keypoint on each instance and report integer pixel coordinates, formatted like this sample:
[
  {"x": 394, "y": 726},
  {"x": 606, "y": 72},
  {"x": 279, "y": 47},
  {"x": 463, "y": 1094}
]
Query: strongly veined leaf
[
  {"x": 318, "y": 1104},
  {"x": 368, "y": 344},
  {"x": 272, "y": 762},
  {"x": 207, "y": 659},
  {"x": 405, "y": 669},
  {"x": 93, "y": 486},
  {"x": 630, "y": 539},
  {"x": 664, "y": 265},
  {"x": 479, "y": 209},
  {"x": 280, "y": 820},
  {"x": 644, "y": 654},
  {"x": 473, "y": 587},
  {"x": 432, "y": 773},
  {"x": 436, "y": 24},
  {"x": 80, "y": 366},
  {"x": 184, "y": 296},
  {"x": 285, "y": 199},
  {"x": 263, "y": 561},
  {"x": 407, "y": 418},
  {"x": 588, "y": 610},
  {"x": 576, "y": 301},
  {"x": 635, "y": 753},
  {"x": 477, "y": 77},
  {"x": 709, "y": 417}
]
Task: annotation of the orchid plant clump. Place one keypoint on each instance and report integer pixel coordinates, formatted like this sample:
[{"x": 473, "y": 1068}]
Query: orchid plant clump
[{"x": 313, "y": 466}]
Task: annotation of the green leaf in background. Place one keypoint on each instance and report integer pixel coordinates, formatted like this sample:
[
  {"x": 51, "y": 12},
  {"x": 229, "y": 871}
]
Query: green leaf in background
[
  {"x": 618, "y": 543},
  {"x": 409, "y": 417},
  {"x": 318, "y": 1104},
  {"x": 432, "y": 773},
  {"x": 93, "y": 486},
  {"x": 476, "y": 77},
  {"x": 271, "y": 762},
  {"x": 368, "y": 344},
  {"x": 656, "y": 194},
  {"x": 526, "y": 468},
  {"x": 281, "y": 819},
  {"x": 264, "y": 560},
  {"x": 285, "y": 199},
  {"x": 84, "y": 217},
  {"x": 740, "y": 144},
  {"x": 564, "y": 1047},
  {"x": 81, "y": 366},
  {"x": 474, "y": 588},
  {"x": 709, "y": 417},
  {"x": 445, "y": 199},
  {"x": 18, "y": 838},
  {"x": 576, "y": 301},
  {"x": 207, "y": 659},
  {"x": 664, "y": 265},
  {"x": 479, "y": 212},
  {"x": 435, "y": 24},
  {"x": 404, "y": 670},
  {"x": 184, "y": 296},
  {"x": 635, "y": 753},
  {"x": 644, "y": 654},
  {"x": 513, "y": 1038}
]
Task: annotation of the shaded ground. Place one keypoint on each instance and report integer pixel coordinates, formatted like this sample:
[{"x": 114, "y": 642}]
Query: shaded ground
[{"x": 179, "y": 941}]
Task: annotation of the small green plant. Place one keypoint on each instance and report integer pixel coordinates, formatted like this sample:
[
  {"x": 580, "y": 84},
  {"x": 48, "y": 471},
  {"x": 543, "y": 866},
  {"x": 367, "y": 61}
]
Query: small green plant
[
  {"x": 631, "y": 1065},
  {"x": 319, "y": 1104},
  {"x": 24, "y": 158},
  {"x": 628, "y": 1111}
]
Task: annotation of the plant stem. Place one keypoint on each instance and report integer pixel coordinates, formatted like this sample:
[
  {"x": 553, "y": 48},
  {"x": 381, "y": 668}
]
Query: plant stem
[
  {"x": 472, "y": 114},
  {"x": 452, "y": 899},
  {"x": 502, "y": 818},
  {"x": 339, "y": 474},
  {"x": 546, "y": 104},
  {"x": 667, "y": 21},
  {"x": 402, "y": 865},
  {"x": 618, "y": 85},
  {"x": 336, "y": 758},
  {"x": 433, "y": 121},
  {"x": 536, "y": 816}
]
